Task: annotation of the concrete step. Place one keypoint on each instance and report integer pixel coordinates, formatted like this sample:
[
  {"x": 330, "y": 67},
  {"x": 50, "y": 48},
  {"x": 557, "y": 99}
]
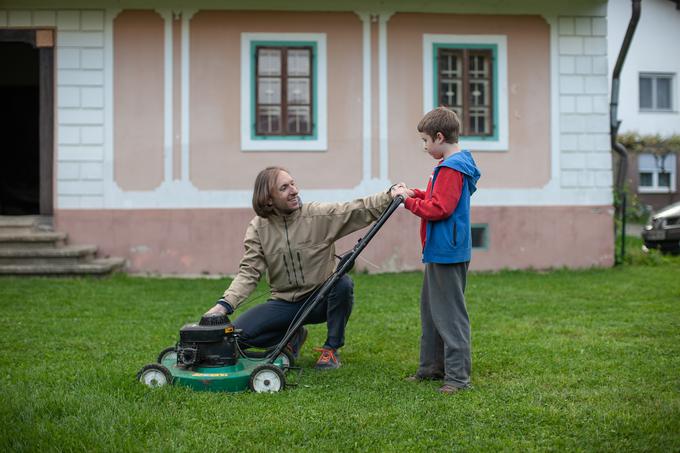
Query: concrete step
[
  {"x": 100, "y": 266},
  {"x": 69, "y": 254},
  {"x": 18, "y": 224},
  {"x": 35, "y": 239}
]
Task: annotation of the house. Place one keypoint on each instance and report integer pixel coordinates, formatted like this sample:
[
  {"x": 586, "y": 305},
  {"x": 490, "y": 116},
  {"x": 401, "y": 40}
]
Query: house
[
  {"x": 649, "y": 104},
  {"x": 161, "y": 117}
]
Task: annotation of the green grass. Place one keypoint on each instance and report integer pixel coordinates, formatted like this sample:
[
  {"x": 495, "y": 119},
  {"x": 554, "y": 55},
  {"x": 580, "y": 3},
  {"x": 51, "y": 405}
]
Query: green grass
[{"x": 562, "y": 360}]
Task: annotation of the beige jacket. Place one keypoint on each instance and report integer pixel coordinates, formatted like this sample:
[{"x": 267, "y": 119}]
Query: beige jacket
[{"x": 298, "y": 251}]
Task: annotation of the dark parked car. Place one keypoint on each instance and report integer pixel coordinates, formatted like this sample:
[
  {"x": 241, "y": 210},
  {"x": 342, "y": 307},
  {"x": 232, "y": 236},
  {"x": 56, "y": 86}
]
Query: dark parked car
[{"x": 663, "y": 230}]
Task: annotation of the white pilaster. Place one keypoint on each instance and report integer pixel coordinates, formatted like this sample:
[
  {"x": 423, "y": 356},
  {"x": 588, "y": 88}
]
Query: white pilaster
[
  {"x": 187, "y": 14},
  {"x": 366, "y": 95},
  {"x": 383, "y": 18}
]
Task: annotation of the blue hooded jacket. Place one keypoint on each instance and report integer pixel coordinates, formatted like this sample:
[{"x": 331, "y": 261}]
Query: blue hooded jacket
[{"x": 449, "y": 240}]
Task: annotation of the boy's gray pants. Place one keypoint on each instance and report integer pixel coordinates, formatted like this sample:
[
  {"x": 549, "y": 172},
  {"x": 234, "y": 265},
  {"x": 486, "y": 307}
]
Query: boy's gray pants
[{"x": 445, "y": 341}]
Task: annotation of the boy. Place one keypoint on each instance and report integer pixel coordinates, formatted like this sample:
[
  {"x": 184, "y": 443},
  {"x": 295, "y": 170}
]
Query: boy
[{"x": 444, "y": 209}]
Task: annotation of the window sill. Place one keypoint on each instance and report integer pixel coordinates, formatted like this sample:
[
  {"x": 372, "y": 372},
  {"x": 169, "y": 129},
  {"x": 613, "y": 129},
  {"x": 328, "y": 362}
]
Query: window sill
[
  {"x": 654, "y": 190},
  {"x": 657, "y": 111},
  {"x": 284, "y": 145}
]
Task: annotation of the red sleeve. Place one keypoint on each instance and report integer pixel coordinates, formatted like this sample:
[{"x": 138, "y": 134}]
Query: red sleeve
[
  {"x": 417, "y": 193},
  {"x": 445, "y": 195}
]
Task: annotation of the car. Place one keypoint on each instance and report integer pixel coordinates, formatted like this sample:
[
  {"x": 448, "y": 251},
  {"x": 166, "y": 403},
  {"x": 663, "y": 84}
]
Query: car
[{"x": 663, "y": 230}]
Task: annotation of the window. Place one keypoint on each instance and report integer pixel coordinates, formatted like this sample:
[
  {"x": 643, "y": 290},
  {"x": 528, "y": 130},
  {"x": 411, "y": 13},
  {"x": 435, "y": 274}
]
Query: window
[
  {"x": 656, "y": 92},
  {"x": 465, "y": 85},
  {"x": 480, "y": 236},
  {"x": 283, "y": 90},
  {"x": 283, "y": 103},
  {"x": 657, "y": 173},
  {"x": 469, "y": 75}
]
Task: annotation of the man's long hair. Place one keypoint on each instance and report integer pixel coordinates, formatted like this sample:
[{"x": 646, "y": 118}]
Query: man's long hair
[{"x": 265, "y": 184}]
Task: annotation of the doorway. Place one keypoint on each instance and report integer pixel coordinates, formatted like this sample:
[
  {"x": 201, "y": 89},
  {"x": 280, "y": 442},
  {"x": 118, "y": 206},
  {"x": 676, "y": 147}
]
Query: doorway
[{"x": 26, "y": 122}]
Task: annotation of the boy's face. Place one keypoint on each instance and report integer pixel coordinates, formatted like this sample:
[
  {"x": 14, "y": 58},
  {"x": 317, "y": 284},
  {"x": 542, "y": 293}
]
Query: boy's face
[{"x": 433, "y": 145}]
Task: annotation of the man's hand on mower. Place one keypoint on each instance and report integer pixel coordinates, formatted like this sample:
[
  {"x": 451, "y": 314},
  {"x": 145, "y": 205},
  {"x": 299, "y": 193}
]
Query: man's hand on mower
[
  {"x": 222, "y": 307},
  {"x": 216, "y": 310}
]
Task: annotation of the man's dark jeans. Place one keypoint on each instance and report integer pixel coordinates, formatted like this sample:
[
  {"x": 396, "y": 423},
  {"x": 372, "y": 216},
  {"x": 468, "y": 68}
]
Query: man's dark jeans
[{"x": 265, "y": 325}]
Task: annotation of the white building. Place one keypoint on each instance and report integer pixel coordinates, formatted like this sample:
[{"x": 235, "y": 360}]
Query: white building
[{"x": 649, "y": 101}]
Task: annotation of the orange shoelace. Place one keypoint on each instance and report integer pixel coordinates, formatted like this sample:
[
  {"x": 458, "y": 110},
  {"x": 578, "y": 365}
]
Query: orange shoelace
[{"x": 326, "y": 355}]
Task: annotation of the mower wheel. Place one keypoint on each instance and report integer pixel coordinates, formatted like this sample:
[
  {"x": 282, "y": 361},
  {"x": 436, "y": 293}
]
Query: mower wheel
[
  {"x": 154, "y": 375},
  {"x": 267, "y": 378},
  {"x": 287, "y": 359},
  {"x": 167, "y": 353}
]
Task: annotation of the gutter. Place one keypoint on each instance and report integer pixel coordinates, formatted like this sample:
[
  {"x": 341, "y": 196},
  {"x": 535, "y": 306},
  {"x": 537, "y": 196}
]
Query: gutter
[{"x": 614, "y": 123}]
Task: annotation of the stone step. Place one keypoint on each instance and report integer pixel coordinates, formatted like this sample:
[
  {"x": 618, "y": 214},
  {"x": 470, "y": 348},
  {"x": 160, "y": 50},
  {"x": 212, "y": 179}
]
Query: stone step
[
  {"x": 36, "y": 239},
  {"x": 69, "y": 254},
  {"x": 18, "y": 224},
  {"x": 100, "y": 266}
]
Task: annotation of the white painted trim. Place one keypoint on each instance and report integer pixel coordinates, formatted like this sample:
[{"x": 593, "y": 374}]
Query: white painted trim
[
  {"x": 321, "y": 142},
  {"x": 110, "y": 186},
  {"x": 554, "y": 104},
  {"x": 186, "y": 67},
  {"x": 166, "y": 14},
  {"x": 500, "y": 41},
  {"x": 366, "y": 95},
  {"x": 543, "y": 197},
  {"x": 382, "y": 94}
]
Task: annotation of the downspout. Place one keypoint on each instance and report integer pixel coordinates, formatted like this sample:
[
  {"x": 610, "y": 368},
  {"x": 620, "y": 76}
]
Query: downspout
[{"x": 614, "y": 123}]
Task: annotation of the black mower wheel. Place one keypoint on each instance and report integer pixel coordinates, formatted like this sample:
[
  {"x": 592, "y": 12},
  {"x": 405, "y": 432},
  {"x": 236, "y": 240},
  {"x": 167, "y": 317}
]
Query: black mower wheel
[
  {"x": 267, "y": 379},
  {"x": 165, "y": 353},
  {"x": 154, "y": 375}
]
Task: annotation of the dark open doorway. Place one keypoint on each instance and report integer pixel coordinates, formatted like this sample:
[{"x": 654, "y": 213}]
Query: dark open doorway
[{"x": 26, "y": 122}]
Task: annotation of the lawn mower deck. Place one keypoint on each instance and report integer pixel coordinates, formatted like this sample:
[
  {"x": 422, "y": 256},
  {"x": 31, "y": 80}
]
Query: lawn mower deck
[{"x": 208, "y": 358}]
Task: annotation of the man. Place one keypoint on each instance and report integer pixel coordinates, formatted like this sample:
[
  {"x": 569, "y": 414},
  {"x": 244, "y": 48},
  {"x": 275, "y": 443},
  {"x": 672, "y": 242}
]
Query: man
[{"x": 295, "y": 245}]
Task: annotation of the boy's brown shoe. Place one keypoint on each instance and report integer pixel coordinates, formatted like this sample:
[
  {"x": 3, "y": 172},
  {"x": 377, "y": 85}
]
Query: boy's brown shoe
[{"x": 448, "y": 389}]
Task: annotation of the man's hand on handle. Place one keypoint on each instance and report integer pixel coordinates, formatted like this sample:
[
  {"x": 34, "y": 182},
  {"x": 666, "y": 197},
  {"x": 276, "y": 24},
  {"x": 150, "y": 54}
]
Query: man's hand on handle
[{"x": 401, "y": 189}]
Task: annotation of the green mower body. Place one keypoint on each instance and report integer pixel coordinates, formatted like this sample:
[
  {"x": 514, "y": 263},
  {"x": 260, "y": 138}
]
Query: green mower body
[{"x": 230, "y": 378}]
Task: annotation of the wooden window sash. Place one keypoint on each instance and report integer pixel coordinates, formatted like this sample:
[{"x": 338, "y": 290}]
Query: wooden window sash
[
  {"x": 283, "y": 105},
  {"x": 465, "y": 94}
]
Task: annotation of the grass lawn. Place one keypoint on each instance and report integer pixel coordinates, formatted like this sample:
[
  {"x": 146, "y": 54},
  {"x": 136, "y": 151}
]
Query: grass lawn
[{"x": 563, "y": 360}]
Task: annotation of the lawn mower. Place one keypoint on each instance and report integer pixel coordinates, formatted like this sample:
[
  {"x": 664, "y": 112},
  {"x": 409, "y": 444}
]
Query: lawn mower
[{"x": 208, "y": 355}]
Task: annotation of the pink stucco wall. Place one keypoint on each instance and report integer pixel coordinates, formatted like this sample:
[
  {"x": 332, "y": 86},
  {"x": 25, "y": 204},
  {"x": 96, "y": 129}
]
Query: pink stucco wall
[
  {"x": 216, "y": 159},
  {"x": 138, "y": 102},
  {"x": 200, "y": 241}
]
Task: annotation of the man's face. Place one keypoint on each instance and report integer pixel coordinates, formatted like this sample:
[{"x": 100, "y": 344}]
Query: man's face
[
  {"x": 433, "y": 146},
  {"x": 284, "y": 196}
]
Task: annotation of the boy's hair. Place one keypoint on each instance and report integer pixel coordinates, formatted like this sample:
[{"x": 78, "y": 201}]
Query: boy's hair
[
  {"x": 442, "y": 120},
  {"x": 265, "y": 183}
]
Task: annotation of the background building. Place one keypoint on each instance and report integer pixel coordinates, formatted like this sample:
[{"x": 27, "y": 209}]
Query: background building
[
  {"x": 163, "y": 116},
  {"x": 649, "y": 99}
]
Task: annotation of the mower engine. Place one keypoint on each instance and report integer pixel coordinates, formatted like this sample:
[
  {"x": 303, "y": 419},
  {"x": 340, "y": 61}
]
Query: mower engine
[{"x": 210, "y": 343}]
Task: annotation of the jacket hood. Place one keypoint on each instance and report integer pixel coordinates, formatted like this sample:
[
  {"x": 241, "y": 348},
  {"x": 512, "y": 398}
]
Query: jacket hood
[{"x": 464, "y": 163}]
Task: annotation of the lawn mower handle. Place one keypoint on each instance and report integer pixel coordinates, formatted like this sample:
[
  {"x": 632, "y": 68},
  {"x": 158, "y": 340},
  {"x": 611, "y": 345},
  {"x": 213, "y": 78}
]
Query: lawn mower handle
[{"x": 333, "y": 279}]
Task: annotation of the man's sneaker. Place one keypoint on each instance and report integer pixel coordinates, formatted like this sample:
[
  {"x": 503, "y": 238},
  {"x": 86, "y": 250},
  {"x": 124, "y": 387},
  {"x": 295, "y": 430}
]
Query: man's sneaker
[
  {"x": 329, "y": 359},
  {"x": 295, "y": 343}
]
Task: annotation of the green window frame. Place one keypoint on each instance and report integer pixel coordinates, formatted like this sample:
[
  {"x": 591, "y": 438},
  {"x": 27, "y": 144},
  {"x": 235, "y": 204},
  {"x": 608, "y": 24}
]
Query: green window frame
[{"x": 258, "y": 132}]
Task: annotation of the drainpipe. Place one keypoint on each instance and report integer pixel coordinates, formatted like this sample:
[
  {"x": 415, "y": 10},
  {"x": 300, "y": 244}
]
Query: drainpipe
[{"x": 614, "y": 123}]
